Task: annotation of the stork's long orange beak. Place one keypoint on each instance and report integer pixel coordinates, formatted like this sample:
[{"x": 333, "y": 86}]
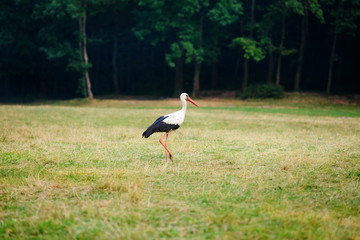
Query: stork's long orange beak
[{"x": 192, "y": 101}]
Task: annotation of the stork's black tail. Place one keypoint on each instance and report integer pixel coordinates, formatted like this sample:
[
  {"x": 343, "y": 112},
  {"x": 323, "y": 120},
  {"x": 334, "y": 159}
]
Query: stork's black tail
[
  {"x": 148, "y": 132},
  {"x": 155, "y": 127}
]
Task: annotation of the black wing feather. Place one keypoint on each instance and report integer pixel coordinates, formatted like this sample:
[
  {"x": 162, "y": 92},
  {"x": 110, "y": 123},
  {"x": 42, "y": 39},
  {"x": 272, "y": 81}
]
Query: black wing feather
[{"x": 154, "y": 127}]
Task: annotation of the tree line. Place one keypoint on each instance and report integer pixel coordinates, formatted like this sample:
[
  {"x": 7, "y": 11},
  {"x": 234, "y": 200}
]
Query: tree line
[{"x": 77, "y": 48}]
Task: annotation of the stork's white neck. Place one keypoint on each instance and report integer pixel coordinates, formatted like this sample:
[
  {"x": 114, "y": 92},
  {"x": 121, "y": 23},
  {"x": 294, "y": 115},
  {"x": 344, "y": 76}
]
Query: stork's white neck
[{"x": 184, "y": 105}]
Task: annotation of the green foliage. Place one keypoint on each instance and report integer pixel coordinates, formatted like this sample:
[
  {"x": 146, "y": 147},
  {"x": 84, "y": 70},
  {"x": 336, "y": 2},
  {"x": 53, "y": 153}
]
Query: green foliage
[
  {"x": 175, "y": 52},
  {"x": 40, "y": 39},
  {"x": 55, "y": 45},
  {"x": 263, "y": 91},
  {"x": 6, "y": 38},
  {"x": 285, "y": 52},
  {"x": 59, "y": 50},
  {"x": 298, "y": 6},
  {"x": 225, "y": 12},
  {"x": 316, "y": 9},
  {"x": 252, "y": 49},
  {"x": 7, "y": 23},
  {"x": 81, "y": 88},
  {"x": 73, "y": 8},
  {"x": 342, "y": 15},
  {"x": 156, "y": 19},
  {"x": 191, "y": 53},
  {"x": 78, "y": 66}
]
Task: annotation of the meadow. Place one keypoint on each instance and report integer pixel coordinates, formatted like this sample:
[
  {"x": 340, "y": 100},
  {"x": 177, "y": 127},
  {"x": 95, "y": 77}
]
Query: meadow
[{"x": 275, "y": 169}]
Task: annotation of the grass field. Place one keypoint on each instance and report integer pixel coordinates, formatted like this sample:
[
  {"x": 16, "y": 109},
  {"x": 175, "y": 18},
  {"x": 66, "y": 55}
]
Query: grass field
[{"x": 277, "y": 169}]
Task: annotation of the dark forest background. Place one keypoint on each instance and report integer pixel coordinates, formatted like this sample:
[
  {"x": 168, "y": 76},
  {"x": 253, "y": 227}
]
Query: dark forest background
[{"x": 76, "y": 48}]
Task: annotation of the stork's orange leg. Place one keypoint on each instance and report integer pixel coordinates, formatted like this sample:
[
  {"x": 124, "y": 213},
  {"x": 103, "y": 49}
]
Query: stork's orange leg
[
  {"x": 166, "y": 153},
  {"x": 167, "y": 135},
  {"x": 165, "y": 146}
]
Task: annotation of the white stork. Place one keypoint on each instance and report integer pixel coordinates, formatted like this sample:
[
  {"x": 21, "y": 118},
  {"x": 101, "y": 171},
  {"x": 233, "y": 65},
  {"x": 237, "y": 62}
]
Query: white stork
[{"x": 169, "y": 122}]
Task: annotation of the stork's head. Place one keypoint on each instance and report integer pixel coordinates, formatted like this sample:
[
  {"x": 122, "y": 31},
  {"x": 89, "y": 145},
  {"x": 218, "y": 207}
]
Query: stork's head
[{"x": 185, "y": 96}]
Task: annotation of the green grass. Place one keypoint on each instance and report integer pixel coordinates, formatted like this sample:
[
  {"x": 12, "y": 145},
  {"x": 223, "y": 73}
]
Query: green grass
[{"x": 277, "y": 169}]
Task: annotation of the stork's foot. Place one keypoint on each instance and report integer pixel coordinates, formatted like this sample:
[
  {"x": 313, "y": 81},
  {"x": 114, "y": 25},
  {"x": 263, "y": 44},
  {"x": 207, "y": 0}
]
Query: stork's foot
[{"x": 171, "y": 157}]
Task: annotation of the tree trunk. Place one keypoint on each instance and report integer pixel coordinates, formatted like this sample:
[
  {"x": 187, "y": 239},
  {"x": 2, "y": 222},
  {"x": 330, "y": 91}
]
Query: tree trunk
[
  {"x": 246, "y": 75},
  {"x": 115, "y": 67},
  {"x": 237, "y": 66},
  {"x": 281, "y": 46},
  {"x": 328, "y": 87},
  {"x": 83, "y": 49},
  {"x": 238, "y": 60},
  {"x": 278, "y": 69},
  {"x": 120, "y": 72},
  {"x": 270, "y": 68},
  {"x": 304, "y": 27},
  {"x": 128, "y": 64},
  {"x": 196, "y": 88},
  {"x": 179, "y": 71},
  {"x": 43, "y": 78},
  {"x": 153, "y": 60},
  {"x": 165, "y": 78},
  {"x": 88, "y": 84},
  {"x": 214, "y": 75},
  {"x": 85, "y": 58},
  {"x": 97, "y": 54},
  {"x": 7, "y": 85},
  {"x": 214, "y": 62},
  {"x": 246, "y": 61},
  {"x": 252, "y": 17},
  {"x": 271, "y": 64}
]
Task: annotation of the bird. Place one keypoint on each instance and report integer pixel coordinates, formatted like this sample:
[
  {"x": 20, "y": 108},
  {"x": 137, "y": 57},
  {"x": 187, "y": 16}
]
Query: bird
[{"x": 169, "y": 123}]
